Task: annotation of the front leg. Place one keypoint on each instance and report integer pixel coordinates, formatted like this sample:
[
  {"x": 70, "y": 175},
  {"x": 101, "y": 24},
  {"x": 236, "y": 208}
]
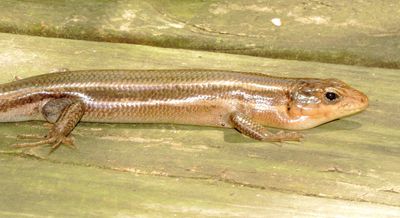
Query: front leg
[
  {"x": 248, "y": 127},
  {"x": 65, "y": 113}
]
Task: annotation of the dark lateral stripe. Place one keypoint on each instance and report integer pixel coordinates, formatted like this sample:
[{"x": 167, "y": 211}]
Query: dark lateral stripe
[{"x": 28, "y": 98}]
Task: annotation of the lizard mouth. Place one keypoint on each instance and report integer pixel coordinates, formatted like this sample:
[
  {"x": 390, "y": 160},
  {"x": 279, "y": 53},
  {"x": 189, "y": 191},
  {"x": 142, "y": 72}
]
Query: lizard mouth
[{"x": 357, "y": 103}]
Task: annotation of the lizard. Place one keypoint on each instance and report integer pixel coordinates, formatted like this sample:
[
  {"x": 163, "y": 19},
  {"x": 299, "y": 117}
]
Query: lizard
[{"x": 248, "y": 102}]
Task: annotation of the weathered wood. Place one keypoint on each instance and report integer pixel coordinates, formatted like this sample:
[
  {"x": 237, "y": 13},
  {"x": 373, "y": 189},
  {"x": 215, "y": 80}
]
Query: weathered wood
[
  {"x": 363, "y": 32},
  {"x": 343, "y": 167},
  {"x": 35, "y": 188}
]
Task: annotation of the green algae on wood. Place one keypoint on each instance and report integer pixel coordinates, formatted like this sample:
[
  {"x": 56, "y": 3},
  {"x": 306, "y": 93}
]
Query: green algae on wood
[{"x": 357, "y": 33}]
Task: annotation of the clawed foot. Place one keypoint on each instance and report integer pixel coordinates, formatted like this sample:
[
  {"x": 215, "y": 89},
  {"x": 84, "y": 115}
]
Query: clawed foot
[
  {"x": 285, "y": 136},
  {"x": 54, "y": 141}
]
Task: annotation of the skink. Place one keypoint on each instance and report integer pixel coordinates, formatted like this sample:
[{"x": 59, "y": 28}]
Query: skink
[{"x": 248, "y": 102}]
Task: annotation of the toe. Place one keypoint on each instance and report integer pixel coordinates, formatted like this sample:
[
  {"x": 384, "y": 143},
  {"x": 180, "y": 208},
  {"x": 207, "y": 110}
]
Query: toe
[
  {"x": 33, "y": 144},
  {"x": 30, "y": 136}
]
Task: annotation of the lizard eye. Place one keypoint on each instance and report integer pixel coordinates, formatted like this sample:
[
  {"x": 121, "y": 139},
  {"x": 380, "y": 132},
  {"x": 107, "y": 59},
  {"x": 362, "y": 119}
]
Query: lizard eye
[{"x": 331, "y": 96}]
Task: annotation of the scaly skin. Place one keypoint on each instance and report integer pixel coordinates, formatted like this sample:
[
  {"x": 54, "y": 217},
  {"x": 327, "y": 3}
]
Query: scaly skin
[{"x": 244, "y": 101}]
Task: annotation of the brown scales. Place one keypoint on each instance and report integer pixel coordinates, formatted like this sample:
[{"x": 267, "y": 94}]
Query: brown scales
[{"x": 244, "y": 101}]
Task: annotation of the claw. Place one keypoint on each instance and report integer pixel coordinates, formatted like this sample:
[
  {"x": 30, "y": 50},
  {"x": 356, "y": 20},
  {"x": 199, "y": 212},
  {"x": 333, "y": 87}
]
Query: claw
[
  {"x": 55, "y": 146},
  {"x": 55, "y": 142},
  {"x": 285, "y": 136},
  {"x": 69, "y": 142}
]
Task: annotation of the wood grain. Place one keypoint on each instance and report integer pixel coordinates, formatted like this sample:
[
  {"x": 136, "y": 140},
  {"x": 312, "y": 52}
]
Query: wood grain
[{"x": 348, "y": 167}]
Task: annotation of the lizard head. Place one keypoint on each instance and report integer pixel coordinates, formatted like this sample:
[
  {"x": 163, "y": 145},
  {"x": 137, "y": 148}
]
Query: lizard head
[{"x": 317, "y": 101}]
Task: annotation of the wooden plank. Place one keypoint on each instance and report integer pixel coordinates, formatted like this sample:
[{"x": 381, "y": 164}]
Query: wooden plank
[
  {"x": 35, "y": 188},
  {"x": 342, "y": 167},
  {"x": 361, "y": 32}
]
